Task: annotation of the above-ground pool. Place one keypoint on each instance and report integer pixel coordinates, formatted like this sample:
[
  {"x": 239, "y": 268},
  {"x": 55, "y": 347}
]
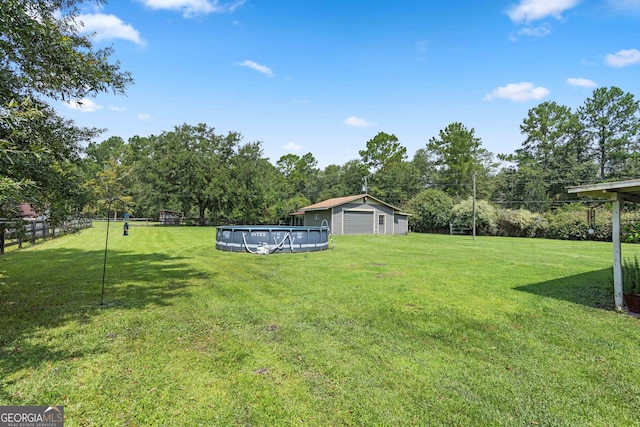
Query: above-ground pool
[{"x": 267, "y": 239}]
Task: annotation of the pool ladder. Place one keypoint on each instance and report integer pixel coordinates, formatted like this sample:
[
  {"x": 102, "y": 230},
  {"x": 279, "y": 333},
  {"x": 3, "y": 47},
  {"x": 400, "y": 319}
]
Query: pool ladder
[{"x": 325, "y": 224}]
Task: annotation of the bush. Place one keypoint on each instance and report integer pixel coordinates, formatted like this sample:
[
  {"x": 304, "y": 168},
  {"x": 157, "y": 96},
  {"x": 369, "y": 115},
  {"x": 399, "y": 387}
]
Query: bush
[
  {"x": 571, "y": 224},
  {"x": 521, "y": 223},
  {"x": 430, "y": 211},
  {"x": 486, "y": 216},
  {"x": 631, "y": 233}
]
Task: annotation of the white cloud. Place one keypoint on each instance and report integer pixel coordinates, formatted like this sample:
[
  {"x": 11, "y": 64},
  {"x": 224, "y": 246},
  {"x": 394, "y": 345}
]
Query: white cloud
[
  {"x": 230, "y": 7},
  {"x": 533, "y": 10},
  {"x": 357, "y": 122},
  {"x": 143, "y": 116},
  {"x": 292, "y": 146},
  {"x": 191, "y": 8},
  {"x": 84, "y": 105},
  {"x": 623, "y": 57},
  {"x": 255, "y": 66},
  {"x": 108, "y": 27},
  {"x": 541, "y": 31},
  {"x": 581, "y": 82},
  {"x": 520, "y": 92},
  {"x": 114, "y": 108},
  {"x": 625, "y": 5}
]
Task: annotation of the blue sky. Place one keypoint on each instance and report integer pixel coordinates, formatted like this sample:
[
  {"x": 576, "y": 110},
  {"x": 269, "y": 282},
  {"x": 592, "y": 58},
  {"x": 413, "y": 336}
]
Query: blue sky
[{"x": 326, "y": 76}]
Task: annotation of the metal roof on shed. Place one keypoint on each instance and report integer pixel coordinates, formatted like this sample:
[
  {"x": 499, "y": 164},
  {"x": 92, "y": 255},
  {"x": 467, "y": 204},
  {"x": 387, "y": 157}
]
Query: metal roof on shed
[{"x": 337, "y": 201}]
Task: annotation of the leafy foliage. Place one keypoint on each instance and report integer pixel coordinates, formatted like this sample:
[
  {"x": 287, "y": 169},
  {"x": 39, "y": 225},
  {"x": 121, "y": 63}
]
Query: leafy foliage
[
  {"x": 397, "y": 183},
  {"x": 631, "y": 233},
  {"x": 572, "y": 224},
  {"x": 520, "y": 223},
  {"x": 43, "y": 56},
  {"x": 252, "y": 196},
  {"x": 300, "y": 175},
  {"x": 458, "y": 155},
  {"x": 522, "y": 187},
  {"x": 40, "y": 160},
  {"x": 172, "y": 171},
  {"x": 631, "y": 276},
  {"x": 382, "y": 150},
  {"x": 554, "y": 154},
  {"x": 43, "y": 53},
  {"x": 331, "y": 182},
  {"x": 611, "y": 122},
  {"x": 431, "y": 210},
  {"x": 189, "y": 166},
  {"x": 486, "y": 216}
]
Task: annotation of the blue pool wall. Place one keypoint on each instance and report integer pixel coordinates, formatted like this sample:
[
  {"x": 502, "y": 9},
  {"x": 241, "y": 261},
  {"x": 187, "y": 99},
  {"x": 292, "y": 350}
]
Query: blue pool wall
[{"x": 296, "y": 238}]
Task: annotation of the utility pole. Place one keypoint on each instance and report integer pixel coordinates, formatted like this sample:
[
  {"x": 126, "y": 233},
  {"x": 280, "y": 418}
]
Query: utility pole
[{"x": 474, "y": 206}]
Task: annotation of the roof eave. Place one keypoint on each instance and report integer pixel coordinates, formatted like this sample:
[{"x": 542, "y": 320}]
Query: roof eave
[{"x": 618, "y": 190}]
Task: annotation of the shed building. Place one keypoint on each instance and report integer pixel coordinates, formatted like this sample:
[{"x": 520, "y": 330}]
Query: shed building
[
  {"x": 360, "y": 214},
  {"x": 168, "y": 217}
]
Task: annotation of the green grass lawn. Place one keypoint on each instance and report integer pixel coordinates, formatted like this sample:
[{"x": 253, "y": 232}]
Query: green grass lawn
[{"x": 383, "y": 330}]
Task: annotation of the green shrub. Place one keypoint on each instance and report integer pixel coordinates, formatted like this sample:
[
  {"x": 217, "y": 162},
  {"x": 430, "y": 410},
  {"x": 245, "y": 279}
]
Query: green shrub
[
  {"x": 572, "y": 224},
  {"x": 520, "y": 223},
  {"x": 631, "y": 233},
  {"x": 430, "y": 210},
  {"x": 486, "y": 216}
]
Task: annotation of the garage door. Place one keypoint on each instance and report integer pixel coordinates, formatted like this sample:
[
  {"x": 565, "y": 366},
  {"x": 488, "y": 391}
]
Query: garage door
[{"x": 358, "y": 222}]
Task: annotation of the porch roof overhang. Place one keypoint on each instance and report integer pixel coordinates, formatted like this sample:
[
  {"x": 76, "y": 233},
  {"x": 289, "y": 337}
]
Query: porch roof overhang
[{"x": 616, "y": 192}]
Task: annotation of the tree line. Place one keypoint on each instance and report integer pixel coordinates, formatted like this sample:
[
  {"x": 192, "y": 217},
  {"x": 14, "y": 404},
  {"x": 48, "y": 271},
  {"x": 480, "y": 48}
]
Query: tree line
[{"x": 219, "y": 178}]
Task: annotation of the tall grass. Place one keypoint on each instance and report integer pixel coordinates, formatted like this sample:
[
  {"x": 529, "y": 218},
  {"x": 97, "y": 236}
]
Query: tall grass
[{"x": 384, "y": 330}]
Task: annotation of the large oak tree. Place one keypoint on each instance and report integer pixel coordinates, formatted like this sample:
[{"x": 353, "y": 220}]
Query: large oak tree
[{"x": 43, "y": 57}]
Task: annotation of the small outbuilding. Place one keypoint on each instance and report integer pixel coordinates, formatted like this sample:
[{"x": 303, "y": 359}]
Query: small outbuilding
[
  {"x": 168, "y": 217},
  {"x": 360, "y": 214},
  {"x": 26, "y": 211}
]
